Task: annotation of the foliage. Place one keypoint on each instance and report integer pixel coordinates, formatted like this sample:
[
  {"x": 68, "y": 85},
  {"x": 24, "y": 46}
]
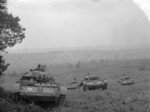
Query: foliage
[
  {"x": 3, "y": 66},
  {"x": 11, "y": 32}
]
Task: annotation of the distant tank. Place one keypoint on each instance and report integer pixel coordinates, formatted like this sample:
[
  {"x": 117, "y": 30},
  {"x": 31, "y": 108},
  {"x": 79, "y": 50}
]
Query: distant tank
[
  {"x": 38, "y": 86},
  {"x": 125, "y": 80},
  {"x": 73, "y": 85},
  {"x": 92, "y": 82}
]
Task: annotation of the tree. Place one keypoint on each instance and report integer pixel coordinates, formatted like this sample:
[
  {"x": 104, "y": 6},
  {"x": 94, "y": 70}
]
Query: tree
[{"x": 11, "y": 32}]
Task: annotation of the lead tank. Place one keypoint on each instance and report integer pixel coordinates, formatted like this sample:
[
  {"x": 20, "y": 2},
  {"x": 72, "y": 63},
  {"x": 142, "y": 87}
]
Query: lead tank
[{"x": 38, "y": 86}]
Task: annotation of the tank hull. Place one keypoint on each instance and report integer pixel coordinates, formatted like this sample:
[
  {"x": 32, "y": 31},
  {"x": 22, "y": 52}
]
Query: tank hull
[
  {"x": 92, "y": 87},
  {"x": 38, "y": 97}
]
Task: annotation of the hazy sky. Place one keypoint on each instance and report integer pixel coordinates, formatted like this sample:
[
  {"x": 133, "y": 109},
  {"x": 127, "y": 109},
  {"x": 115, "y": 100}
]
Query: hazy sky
[{"x": 83, "y": 23}]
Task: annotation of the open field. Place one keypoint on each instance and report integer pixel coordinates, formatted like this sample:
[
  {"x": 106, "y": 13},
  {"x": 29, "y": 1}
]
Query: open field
[
  {"x": 117, "y": 98},
  {"x": 24, "y": 61}
]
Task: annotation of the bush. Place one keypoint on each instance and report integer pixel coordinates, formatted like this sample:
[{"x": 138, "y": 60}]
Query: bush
[{"x": 5, "y": 94}]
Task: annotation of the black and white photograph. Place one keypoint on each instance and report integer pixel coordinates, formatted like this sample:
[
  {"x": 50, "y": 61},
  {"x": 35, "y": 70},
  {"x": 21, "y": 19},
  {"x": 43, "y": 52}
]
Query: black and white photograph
[{"x": 74, "y": 55}]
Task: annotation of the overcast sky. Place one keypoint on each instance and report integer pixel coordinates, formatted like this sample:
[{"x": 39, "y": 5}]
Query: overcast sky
[{"x": 82, "y": 23}]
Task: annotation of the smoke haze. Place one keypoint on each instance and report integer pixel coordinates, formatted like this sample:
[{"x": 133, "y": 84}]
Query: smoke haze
[{"x": 83, "y": 23}]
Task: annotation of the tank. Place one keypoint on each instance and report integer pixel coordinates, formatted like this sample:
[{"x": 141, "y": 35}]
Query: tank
[
  {"x": 125, "y": 80},
  {"x": 38, "y": 86},
  {"x": 72, "y": 85},
  {"x": 92, "y": 82}
]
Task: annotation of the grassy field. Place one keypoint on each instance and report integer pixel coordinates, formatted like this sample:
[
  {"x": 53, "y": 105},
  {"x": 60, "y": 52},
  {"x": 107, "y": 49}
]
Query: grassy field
[
  {"x": 108, "y": 65},
  {"x": 117, "y": 98}
]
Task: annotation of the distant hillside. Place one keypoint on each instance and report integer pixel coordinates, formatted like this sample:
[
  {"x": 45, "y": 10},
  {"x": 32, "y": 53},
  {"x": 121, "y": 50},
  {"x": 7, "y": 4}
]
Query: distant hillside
[{"x": 23, "y": 61}]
